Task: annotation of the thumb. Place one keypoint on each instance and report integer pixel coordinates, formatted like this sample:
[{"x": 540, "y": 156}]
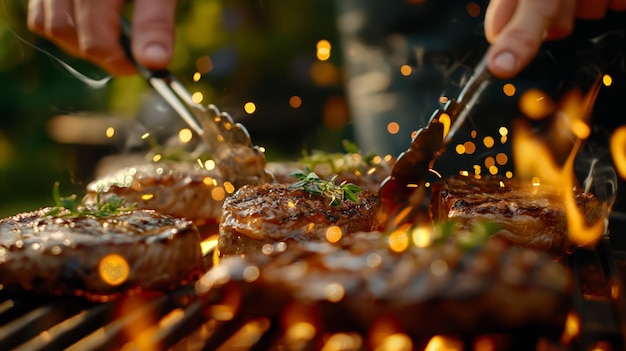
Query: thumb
[
  {"x": 153, "y": 32},
  {"x": 519, "y": 40}
]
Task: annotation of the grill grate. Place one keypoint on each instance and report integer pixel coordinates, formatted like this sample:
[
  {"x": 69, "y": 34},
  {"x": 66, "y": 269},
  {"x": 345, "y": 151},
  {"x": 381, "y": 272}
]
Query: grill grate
[{"x": 181, "y": 321}]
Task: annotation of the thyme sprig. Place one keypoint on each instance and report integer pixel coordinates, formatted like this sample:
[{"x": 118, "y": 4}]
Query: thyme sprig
[
  {"x": 71, "y": 207},
  {"x": 313, "y": 184}
]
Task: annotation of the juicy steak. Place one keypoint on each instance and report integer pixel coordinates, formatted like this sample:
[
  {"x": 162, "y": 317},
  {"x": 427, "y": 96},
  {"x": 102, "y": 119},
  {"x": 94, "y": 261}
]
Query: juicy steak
[
  {"x": 441, "y": 289},
  {"x": 269, "y": 214},
  {"x": 527, "y": 215},
  {"x": 180, "y": 189},
  {"x": 97, "y": 257}
]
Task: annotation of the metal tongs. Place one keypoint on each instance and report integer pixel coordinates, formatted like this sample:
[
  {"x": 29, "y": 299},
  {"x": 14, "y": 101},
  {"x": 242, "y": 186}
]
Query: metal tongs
[
  {"x": 428, "y": 143},
  {"x": 232, "y": 150}
]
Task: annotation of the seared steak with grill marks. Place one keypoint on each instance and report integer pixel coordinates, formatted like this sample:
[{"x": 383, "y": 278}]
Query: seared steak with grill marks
[
  {"x": 272, "y": 213},
  {"x": 97, "y": 257},
  {"x": 180, "y": 189},
  {"x": 443, "y": 289},
  {"x": 528, "y": 215}
]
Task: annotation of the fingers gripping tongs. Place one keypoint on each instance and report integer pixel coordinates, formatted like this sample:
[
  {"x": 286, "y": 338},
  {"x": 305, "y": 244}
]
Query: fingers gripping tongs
[
  {"x": 428, "y": 143},
  {"x": 229, "y": 143}
]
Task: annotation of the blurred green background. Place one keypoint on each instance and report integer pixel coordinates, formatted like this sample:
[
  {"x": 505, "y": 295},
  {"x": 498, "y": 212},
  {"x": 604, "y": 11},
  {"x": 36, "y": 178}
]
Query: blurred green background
[{"x": 262, "y": 52}]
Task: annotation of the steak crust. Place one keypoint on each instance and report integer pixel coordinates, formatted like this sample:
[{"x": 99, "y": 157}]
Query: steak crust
[
  {"x": 527, "y": 215},
  {"x": 99, "y": 258},
  {"x": 443, "y": 289},
  {"x": 180, "y": 189},
  {"x": 273, "y": 213}
]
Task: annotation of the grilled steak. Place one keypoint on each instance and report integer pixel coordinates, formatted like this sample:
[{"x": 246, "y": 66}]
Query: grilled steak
[
  {"x": 443, "y": 289},
  {"x": 180, "y": 189},
  {"x": 99, "y": 258},
  {"x": 273, "y": 213},
  {"x": 528, "y": 215}
]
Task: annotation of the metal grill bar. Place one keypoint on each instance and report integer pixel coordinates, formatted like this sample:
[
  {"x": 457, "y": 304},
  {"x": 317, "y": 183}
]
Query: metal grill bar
[{"x": 598, "y": 305}]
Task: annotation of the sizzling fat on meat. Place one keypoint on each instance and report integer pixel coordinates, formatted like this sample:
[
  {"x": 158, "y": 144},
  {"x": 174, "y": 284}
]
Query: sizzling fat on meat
[
  {"x": 272, "y": 213},
  {"x": 442, "y": 289},
  {"x": 527, "y": 215},
  {"x": 97, "y": 257}
]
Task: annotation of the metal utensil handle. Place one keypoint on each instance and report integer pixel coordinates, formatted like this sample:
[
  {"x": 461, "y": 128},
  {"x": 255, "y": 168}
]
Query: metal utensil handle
[{"x": 459, "y": 108}]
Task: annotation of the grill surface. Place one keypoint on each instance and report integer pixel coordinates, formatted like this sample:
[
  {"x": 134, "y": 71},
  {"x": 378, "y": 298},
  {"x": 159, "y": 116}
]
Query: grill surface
[{"x": 181, "y": 321}]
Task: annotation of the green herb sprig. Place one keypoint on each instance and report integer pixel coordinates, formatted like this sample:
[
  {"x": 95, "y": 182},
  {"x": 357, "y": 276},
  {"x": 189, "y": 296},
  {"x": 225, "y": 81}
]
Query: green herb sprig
[
  {"x": 313, "y": 184},
  {"x": 71, "y": 207}
]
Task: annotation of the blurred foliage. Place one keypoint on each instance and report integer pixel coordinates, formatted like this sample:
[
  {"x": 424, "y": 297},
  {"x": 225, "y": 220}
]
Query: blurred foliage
[{"x": 261, "y": 52}]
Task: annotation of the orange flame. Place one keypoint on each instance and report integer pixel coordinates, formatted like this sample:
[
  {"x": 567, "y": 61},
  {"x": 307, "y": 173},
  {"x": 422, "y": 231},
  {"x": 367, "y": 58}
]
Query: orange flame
[
  {"x": 618, "y": 150},
  {"x": 534, "y": 159}
]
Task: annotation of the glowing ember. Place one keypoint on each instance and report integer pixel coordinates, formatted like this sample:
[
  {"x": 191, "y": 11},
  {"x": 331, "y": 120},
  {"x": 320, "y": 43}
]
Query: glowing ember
[
  {"x": 470, "y": 147},
  {"x": 113, "y": 269},
  {"x": 396, "y": 342},
  {"x": 295, "y": 101},
  {"x": 490, "y": 162},
  {"x": 422, "y": 236},
  {"x": 473, "y": 9},
  {"x": 218, "y": 194},
  {"x": 197, "y": 97},
  {"x": 249, "y": 107},
  {"x": 209, "y": 165},
  {"x": 146, "y": 197},
  {"x": 406, "y": 70},
  {"x": 323, "y": 50},
  {"x": 502, "y": 158},
  {"x": 444, "y": 343},
  {"x": 488, "y": 142},
  {"x": 343, "y": 341},
  {"x": 572, "y": 328},
  {"x": 210, "y": 181},
  {"x": 300, "y": 331},
  {"x": 185, "y": 135},
  {"x": 333, "y": 234},
  {"x": 398, "y": 240},
  {"x": 509, "y": 89},
  {"x": 535, "y": 104},
  {"x": 393, "y": 127},
  {"x": 229, "y": 187}
]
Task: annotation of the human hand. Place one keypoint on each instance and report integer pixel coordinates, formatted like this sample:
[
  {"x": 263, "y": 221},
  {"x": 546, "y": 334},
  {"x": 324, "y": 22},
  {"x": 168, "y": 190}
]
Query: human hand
[
  {"x": 90, "y": 29},
  {"x": 516, "y": 28}
]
